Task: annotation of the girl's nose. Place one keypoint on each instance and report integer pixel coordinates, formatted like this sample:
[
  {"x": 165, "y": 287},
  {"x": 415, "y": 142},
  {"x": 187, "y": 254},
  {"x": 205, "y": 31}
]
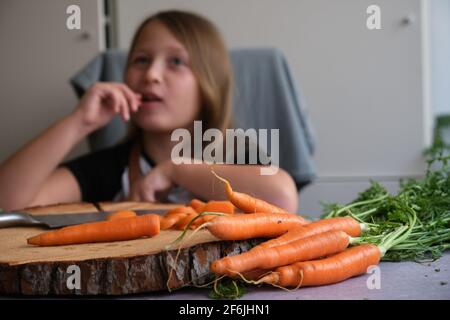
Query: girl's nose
[{"x": 154, "y": 73}]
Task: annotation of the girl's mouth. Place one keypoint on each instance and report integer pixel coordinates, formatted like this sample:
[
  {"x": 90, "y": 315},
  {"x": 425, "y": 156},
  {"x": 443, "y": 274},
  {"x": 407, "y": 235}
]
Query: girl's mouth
[{"x": 151, "y": 101}]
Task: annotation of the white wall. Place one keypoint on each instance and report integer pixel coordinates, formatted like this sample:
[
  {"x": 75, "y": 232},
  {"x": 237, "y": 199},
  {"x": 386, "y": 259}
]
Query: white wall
[
  {"x": 364, "y": 89},
  {"x": 38, "y": 56}
]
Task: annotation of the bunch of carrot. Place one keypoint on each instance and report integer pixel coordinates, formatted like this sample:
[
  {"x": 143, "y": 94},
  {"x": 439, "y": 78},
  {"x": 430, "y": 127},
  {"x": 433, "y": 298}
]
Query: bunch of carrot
[
  {"x": 297, "y": 253},
  {"x": 322, "y": 246},
  {"x": 315, "y": 254},
  {"x": 301, "y": 254}
]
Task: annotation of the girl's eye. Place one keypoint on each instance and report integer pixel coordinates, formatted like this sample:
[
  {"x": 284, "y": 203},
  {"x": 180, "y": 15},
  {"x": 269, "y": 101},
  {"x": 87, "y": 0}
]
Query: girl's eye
[
  {"x": 141, "y": 60},
  {"x": 176, "y": 61}
]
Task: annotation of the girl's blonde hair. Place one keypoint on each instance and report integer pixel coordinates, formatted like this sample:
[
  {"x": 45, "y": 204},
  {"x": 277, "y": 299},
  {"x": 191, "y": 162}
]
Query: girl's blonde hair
[{"x": 210, "y": 63}]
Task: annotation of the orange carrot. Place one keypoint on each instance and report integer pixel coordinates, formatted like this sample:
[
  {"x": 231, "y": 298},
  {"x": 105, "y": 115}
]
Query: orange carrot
[
  {"x": 349, "y": 263},
  {"x": 121, "y": 214},
  {"x": 197, "y": 205},
  {"x": 347, "y": 224},
  {"x": 253, "y": 225},
  {"x": 211, "y": 206},
  {"x": 178, "y": 210},
  {"x": 183, "y": 222},
  {"x": 313, "y": 247},
  {"x": 218, "y": 206},
  {"x": 202, "y": 220},
  {"x": 247, "y": 203},
  {"x": 250, "y": 275},
  {"x": 104, "y": 231},
  {"x": 225, "y": 207},
  {"x": 170, "y": 221},
  {"x": 173, "y": 217}
]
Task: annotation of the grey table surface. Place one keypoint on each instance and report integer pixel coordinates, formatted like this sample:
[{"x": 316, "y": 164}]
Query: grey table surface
[{"x": 398, "y": 280}]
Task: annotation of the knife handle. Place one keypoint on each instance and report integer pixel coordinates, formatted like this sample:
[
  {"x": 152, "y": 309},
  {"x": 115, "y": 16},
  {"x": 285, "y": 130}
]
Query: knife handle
[{"x": 15, "y": 219}]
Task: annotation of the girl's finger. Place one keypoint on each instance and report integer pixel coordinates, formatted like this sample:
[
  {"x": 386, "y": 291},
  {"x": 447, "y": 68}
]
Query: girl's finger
[
  {"x": 123, "y": 105},
  {"x": 113, "y": 102},
  {"x": 117, "y": 101},
  {"x": 130, "y": 99},
  {"x": 125, "y": 111},
  {"x": 133, "y": 99}
]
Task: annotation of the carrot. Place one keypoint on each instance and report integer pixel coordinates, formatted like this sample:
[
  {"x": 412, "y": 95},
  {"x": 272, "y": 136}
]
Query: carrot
[
  {"x": 115, "y": 230},
  {"x": 247, "y": 203},
  {"x": 173, "y": 217},
  {"x": 183, "y": 222},
  {"x": 121, "y": 214},
  {"x": 202, "y": 220},
  {"x": 245, "y": 226},
  {"x": 349, "y": 263},
  {"x": 347, "y": 224},
  {"x": 197, "y": 205},
  {"x": 178, "y": 210},
  {"x": 253, "y": 225},
  {"x": 218, "y": 206},
  {"x": 225, "y": 207},
  {"x": 313, "y": 247},
  {"x": 170, "y": 221},
  {"x": 252, "y": 275},
  {"x": 186, "y": 213}
]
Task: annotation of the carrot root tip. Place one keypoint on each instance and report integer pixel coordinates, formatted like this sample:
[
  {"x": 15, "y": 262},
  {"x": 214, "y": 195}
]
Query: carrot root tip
[
  {"x": 228, "y": 188},
  {"x": 271, "y": 278}
]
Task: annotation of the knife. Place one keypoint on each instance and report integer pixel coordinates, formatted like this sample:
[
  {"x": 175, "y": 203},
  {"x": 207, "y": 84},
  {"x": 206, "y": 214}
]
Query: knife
[{"x": 52, "y": 221}]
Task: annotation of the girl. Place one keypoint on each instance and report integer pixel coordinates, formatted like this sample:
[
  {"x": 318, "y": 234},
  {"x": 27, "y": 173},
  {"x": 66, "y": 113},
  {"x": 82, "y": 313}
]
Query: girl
[{"x": 178, "y": 71}]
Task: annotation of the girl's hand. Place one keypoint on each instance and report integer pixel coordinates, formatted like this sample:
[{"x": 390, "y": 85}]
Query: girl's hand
[
  {"x": 105, "y": 99},
  {"x": 155, "y": 185}
]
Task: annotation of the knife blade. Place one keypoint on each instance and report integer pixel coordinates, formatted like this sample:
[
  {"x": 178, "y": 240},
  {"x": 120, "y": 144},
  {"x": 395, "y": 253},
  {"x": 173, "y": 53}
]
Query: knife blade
[{"x": 52, "y": 221}]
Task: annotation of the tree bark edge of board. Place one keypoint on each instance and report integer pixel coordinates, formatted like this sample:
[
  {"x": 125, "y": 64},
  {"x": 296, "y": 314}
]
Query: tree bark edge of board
[{"x": 120, "y": 276}]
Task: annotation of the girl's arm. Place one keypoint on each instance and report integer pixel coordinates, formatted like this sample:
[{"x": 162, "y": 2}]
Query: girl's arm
[
  {"x": 27, "y": 172},
  {"x": 278, "y": 189},
  {"x": 31, "y": 176}
]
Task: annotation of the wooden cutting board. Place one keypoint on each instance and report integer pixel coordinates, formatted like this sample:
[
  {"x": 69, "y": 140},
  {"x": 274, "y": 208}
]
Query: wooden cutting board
[{"x": 114, "y": 268}]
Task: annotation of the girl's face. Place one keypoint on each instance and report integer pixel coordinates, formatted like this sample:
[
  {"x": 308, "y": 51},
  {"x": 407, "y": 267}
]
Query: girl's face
[{"x": 159, "y": 69}]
